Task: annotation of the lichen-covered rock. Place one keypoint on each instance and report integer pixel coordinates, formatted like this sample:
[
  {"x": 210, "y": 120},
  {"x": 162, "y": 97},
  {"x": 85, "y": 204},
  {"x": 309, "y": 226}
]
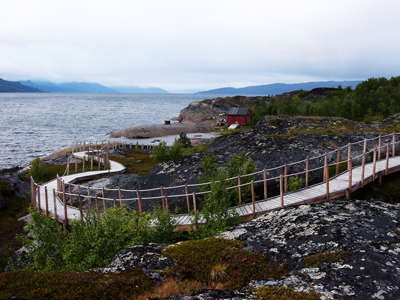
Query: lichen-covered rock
[
  {"x": 368, "y": 232},
  {"x": 147, "y": 257}
]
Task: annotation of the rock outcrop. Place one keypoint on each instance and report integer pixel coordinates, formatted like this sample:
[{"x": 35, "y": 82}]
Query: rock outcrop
[{"x": 364, "y": 236}]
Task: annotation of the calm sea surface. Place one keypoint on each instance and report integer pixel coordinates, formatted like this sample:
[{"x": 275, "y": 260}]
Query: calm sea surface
[{"x": 34, "y": 125}]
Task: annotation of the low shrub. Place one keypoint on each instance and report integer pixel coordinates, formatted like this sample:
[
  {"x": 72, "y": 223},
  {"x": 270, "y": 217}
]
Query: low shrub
[
  {"x": 295, "y": 183},
  {"x": 219, "y": 261},
  {"x": 93, "y": 242},
  {"x": 319, "y": 258},
  {"x": 284, "y": 293},
  {"x": 73, "y": 285}
]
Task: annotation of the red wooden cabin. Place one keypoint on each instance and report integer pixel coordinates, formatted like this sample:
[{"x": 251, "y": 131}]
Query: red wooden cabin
[{"x": 239, "y": 115}]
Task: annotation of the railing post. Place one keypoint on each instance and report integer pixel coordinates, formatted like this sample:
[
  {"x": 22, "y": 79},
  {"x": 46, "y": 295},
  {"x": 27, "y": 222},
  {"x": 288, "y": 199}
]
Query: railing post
[
  {"x": 394, "y": 145},
  {"x": 80, "y": 205},
  {"x": 103, "y": 195},
  {"x": 120, "y": 197},
  {"x": 139, "y": 201},
  {"x": 265, "y": 184},
  {"x": 337, "y": 161},
  {"x": 239, "y": 190},
  {"x": 307, "y": 164},
  {"x": 281, "y": 191},
  {"x": 326, "y": 171},
  {"x": 387, "y": 160},
  {"x": 253, "y": 198},
  {"x": 363, "y": 162},
  {"x": 33, "y": 197},
  {"x": 65, "y": 212},
  {"x": 38, "y": 197},
  {"x": 194, "y": 203},
  {"x": 55, "y": 204},
  {"x": 379, "y": 146},
  {"x": 162, "y": 197},
  {"x": 187, "y": 199},
  {"x": 285, "y": 178},
  {"x": 46, "y": 198},
  {"x": 91, "y": 162},
  {"x": 83, "y": 163},
  {"x": 89, "y": 198},
  {"x": 374, "y": 165},
  {"x": 350, "y": 167}
]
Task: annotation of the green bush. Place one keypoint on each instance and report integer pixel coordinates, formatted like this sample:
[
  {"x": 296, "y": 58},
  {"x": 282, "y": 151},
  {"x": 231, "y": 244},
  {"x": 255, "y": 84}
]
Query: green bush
[
  {"x": 295, "y": 183},
  {"x": 93, "y": 242},
  {"x": 161, "y": 152},
  {"x": 45, "y": 243},
  {"x": 37, "y": 171},
  {"x": 184, "y": 140},
  {"x": 175, "y": 151}
]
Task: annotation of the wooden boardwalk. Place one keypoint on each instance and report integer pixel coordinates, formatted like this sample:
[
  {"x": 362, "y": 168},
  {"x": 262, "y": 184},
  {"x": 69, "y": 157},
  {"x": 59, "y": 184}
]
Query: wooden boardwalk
[{"x": 48, "y": 197}]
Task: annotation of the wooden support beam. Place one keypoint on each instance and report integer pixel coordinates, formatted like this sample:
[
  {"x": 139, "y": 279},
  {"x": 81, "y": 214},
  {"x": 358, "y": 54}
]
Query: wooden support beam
[
  {"x": 306, "y": 174},
  {"x": 265, "y": 184},
  {"x": 253, "y": 198},
  {"x": 46, "y": 198},
  {"x": 337, "y": 161},
  {"x": 363, "y": 162},
  {"x": 393, "y": 145},
  {"x": 139, "y": 201},
  {"x": 387, "y": 160},
  {"x": 187, "y": 199},
  {"x": 379, "y": 147},
  {"x": 80, "y": 205},
  {"x": 285, "y": 178},
  {"x": 374, "y": 165},
  {"x": 281, "y": 189},
  {"x": 239, "y": 189},
  {"x": 120, "y": 197},
  {"x": 194, "y": 203},
  {"x": 55, "y": 204},
  {"x": 326, "y": 171},
  {"x": 350, "y": 167},
  {"x": 65, "y": 212},
  {"x": 38, "y": 197}
]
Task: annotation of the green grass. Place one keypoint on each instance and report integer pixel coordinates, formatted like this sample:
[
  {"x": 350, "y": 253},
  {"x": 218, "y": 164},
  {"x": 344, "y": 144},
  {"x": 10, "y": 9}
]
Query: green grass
[
  {"x": 284, "y": 293},
  {"x": 50, "y": 171},
  {"x": 9, "y": 226},
  {"x": 220, "y": 261},
  {"x": 195, "y": 149},
  {"x": 136, "y": 162},
  {"x": 73, "y": 285}
]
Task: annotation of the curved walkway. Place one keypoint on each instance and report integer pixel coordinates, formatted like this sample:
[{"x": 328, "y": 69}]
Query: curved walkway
[
  {"x": 336, "y": 187},
  {"x": 55, "y": 205}
]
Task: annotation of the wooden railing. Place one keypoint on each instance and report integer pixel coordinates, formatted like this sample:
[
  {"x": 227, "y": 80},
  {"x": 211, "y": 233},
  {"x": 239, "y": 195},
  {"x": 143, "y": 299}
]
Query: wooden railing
[{"x": 260, "y": 185}]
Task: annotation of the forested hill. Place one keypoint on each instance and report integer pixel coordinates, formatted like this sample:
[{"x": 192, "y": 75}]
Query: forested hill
[
  {"x": 15, "y": 87},
  {"x": 372, "y": 100},
  {"x": 279, "y": 88}
]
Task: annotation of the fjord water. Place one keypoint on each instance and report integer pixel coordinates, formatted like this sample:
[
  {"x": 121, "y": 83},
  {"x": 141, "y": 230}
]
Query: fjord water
[{"x": 33, "y": 125}]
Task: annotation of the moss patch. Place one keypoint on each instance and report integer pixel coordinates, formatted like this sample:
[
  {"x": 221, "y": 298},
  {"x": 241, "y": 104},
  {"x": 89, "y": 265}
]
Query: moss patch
[
  {"x": 73, "y": 285},
  {"x": 136, "y": 162},
  {"x": 284, "y": 293},
  {"x": 220, "y": 261},
  {"x": 319, "y": 258},
  {"x": 9, "y": 225}
]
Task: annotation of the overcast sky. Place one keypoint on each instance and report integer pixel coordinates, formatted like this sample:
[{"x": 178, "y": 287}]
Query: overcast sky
[{"x": 199, "y": 44}]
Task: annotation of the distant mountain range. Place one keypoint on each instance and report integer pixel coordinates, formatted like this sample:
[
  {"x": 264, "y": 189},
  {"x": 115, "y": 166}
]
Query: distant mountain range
[
  {"x": 88, "y": 87},
  {"x": 15, "y": 87},
  {"x": 278, "y": 88}
]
